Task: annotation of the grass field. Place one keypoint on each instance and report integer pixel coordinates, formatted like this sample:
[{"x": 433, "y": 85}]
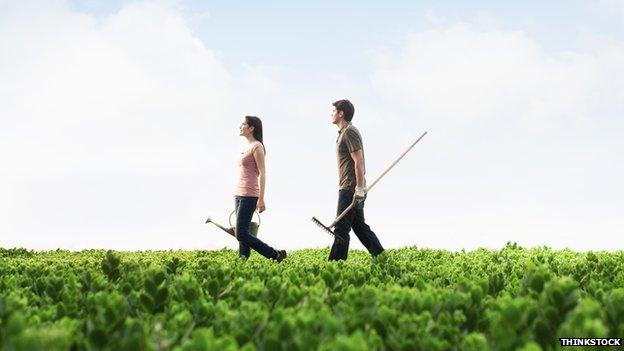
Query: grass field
[{"x": 406, "y": 299}]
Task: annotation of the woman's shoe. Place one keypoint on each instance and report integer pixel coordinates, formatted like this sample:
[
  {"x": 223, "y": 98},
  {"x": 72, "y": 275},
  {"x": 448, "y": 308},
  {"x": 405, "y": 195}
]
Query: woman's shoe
[{"x": 281, "y": 255}]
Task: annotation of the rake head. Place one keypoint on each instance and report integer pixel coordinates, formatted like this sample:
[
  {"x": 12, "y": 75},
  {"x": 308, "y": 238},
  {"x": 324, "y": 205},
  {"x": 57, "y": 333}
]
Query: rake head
[
  {"x": 209, "y": 220},
  {"x": 326, "y": 228}
]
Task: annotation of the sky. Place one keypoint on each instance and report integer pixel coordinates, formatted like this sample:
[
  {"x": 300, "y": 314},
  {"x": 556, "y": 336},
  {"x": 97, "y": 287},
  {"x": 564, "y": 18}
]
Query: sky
[{"x": 119, "y": 120}]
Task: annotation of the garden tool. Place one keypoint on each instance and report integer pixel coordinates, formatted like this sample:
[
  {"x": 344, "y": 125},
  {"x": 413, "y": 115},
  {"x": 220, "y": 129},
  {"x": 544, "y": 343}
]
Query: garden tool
[
  {"x": 253, "y": 227},
  {"x": 355, "y": 201}
]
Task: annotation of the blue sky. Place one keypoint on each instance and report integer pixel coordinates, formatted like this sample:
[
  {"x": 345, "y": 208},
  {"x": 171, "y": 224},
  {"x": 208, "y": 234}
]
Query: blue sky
[
  {"x": 120, "y": 120},
  {"x": 323, "y": 35}
]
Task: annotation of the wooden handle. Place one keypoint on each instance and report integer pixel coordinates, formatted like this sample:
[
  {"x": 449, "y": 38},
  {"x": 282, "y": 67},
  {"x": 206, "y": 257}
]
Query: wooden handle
[
  {"x": 394, "y": 163},
  {"x": 343, "y": 213},
  {"x": 353, "y": 203}
]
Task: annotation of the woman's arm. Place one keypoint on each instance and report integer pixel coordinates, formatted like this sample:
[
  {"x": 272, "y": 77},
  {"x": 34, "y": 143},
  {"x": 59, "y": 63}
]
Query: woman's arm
[{"x": 259, "y": 157}]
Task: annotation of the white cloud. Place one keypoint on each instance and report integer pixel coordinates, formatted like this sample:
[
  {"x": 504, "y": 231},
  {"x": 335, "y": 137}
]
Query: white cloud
[
  {"x": 103, "y": 116},
  {"x": 522, "y": 143},
  {"x": 459, "y": 75},
  {"x": 110, "y": 91}
]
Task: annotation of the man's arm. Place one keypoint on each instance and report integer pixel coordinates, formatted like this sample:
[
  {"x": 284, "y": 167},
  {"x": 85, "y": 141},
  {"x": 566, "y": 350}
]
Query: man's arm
[{"x": 360, "y": 171}]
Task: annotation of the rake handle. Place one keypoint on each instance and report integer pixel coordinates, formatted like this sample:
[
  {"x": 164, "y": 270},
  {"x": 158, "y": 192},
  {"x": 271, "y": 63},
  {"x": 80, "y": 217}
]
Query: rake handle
[
  {"x": 394, "y": 163},
  {"x": 343, "y": 213},
  {"x": 354, "y": 202}
]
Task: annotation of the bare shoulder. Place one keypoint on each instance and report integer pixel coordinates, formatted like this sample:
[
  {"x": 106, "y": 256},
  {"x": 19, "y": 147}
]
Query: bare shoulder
[{"x": 257, "y": 148}]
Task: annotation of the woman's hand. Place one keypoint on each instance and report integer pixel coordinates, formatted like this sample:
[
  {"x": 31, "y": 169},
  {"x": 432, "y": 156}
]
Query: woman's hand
[{"x": 260, "y": 206}]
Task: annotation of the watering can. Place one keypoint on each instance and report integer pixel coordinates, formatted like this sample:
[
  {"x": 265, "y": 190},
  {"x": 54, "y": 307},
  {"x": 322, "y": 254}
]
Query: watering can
[{"x": 253, "y": 226}]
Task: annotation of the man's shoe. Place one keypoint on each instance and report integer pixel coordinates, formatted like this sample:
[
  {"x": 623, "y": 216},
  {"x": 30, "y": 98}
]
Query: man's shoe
[{"x": 281, "y": 255}]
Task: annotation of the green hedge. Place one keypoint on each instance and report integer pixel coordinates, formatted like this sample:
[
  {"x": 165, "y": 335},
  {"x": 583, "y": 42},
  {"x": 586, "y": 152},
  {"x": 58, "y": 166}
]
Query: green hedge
[{"x": 405, "y": 299}]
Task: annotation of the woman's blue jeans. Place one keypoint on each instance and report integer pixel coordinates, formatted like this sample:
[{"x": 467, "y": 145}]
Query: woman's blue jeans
[{"x": 245, "y": 207}]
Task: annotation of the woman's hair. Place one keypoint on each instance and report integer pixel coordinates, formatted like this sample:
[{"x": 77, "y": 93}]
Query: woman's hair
[{"x": 253, "y": 121}]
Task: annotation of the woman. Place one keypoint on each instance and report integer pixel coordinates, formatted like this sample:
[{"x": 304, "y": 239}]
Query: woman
[{"x": 250, "y": 191}]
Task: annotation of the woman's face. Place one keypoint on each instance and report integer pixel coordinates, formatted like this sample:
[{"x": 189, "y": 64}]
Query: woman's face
[{"x": 245, "y": 129}]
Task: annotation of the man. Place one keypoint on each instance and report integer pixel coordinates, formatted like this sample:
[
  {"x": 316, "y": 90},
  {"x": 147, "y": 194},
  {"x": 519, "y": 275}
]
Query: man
[{"x": 352, "y": 183}]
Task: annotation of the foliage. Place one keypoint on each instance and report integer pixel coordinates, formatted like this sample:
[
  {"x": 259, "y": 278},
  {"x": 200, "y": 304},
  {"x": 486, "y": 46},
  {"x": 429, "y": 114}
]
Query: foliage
[{"x": 405, "y": 299}]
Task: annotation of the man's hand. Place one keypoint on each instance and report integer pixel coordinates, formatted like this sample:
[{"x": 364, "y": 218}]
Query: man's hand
[{"x": 360, "y": 193}]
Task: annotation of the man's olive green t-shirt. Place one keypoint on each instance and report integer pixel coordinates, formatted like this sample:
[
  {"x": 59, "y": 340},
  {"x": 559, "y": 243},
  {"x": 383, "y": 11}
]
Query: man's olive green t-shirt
[{"x": 349, "y": 140}]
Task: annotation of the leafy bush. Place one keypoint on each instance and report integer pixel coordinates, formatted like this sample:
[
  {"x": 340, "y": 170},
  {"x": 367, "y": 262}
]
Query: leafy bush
[{"x": 405, "y": 299}]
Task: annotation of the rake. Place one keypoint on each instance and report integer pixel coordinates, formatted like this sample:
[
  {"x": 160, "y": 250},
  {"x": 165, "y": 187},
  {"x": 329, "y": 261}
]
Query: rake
[{"x": 328, "y": 228}]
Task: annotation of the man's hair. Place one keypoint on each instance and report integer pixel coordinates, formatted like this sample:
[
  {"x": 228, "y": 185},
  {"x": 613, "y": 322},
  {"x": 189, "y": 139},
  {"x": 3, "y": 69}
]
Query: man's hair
[{"x": 346, "y": 107}]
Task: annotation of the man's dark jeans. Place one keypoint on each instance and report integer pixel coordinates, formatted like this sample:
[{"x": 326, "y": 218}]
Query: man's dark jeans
[
  {"x": 353, "y": 219},
  {"x": 245, "y": 207}
]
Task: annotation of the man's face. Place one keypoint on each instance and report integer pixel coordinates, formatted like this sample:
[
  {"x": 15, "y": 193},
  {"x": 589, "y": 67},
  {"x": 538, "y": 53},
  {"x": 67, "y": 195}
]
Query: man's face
[{"x": 336, "y": 115}]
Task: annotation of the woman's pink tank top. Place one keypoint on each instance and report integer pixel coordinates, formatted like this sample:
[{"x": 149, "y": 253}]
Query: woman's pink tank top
[{"x": 248, "y": 175}]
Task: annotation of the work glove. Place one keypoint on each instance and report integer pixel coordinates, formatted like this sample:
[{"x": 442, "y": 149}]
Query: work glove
[{"x": 360, "y": 193}]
